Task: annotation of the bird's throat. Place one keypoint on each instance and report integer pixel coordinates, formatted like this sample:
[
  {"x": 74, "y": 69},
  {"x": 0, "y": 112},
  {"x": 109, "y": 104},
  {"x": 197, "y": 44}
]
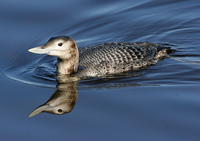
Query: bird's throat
[{"x": 65, "y": 66}]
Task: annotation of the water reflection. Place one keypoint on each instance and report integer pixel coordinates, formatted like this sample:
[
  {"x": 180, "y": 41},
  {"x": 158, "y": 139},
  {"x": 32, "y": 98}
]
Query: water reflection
[{"x": 62, "y": 101}]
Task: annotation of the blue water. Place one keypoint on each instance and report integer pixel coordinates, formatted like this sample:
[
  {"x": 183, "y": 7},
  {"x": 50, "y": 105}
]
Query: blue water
[{"x": 160, "y": 102}]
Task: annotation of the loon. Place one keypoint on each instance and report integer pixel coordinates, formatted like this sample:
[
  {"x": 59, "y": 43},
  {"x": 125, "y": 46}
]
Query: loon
[{"x": 102, "y": 59}]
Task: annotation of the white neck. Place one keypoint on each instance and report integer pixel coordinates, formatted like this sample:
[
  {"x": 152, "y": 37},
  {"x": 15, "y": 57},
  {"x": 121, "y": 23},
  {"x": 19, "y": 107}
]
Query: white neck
[{"x": 68, "y": 66}]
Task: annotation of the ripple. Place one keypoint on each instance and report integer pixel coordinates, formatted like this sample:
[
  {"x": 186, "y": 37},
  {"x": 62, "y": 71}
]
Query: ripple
[{"x": 42, "y": 72}]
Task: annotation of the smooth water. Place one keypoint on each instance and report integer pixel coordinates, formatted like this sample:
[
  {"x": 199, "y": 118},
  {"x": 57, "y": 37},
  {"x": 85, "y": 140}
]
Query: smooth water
[{"x": 160, "y": 102}]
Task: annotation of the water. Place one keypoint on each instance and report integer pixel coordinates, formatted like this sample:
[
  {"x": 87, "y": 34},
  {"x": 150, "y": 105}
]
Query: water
[{"x": 157, "y": 103}]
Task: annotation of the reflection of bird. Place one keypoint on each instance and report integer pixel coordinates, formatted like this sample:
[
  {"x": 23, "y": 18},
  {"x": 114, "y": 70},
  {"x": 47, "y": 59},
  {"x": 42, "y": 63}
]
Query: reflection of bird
[
  {"x": 61, "y": 102},
  {"x": 106, "y": 58}
]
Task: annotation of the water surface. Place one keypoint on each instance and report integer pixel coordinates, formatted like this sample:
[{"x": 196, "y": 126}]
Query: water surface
[{"x": 160, "y": 102}]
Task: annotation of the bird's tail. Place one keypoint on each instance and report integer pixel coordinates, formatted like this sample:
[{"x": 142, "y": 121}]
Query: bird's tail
[{"x": 164, "y": 52}]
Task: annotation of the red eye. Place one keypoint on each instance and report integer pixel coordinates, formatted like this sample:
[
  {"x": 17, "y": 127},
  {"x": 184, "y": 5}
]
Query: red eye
[{"x": 60, "y": 44}]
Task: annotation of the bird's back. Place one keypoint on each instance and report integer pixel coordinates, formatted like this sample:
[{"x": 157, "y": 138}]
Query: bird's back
[{"x": 117, "y": 57}]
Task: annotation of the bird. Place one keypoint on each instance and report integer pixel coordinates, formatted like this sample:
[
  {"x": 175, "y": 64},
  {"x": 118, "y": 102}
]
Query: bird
[{"x": 102, "y": 59}]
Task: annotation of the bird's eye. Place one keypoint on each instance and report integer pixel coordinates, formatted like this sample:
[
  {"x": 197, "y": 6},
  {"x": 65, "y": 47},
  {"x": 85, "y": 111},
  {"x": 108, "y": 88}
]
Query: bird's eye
[
  {"x": 59, "y": 110},
  {"x": 60, "y": 44}
]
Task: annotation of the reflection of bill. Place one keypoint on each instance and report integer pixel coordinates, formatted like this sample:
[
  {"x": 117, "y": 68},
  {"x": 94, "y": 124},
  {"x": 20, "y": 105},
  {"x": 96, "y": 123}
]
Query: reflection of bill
[{"x": 62, "y": 101}]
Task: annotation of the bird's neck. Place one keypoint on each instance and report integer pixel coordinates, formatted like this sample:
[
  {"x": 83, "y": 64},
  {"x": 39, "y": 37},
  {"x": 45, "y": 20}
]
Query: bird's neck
[{"x": 67, "y": 66}]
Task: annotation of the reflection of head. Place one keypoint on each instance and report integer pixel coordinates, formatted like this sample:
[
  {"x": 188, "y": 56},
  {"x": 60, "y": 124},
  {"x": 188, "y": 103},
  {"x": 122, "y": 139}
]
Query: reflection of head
[{"x": 61, "y": 102}]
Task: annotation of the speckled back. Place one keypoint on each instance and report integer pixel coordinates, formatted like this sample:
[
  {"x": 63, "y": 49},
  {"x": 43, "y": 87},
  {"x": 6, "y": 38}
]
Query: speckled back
[{"x": 117, "y": 57}]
